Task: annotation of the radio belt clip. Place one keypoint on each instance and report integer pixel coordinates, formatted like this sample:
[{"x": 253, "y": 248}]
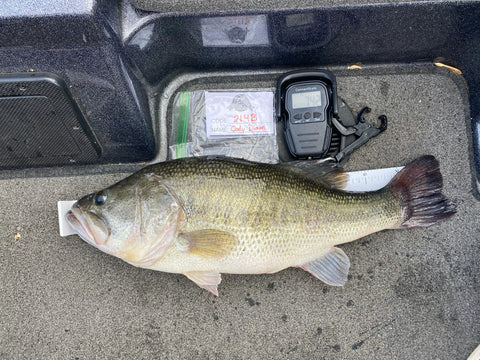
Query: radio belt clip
[{"x": 362, "y": 130}]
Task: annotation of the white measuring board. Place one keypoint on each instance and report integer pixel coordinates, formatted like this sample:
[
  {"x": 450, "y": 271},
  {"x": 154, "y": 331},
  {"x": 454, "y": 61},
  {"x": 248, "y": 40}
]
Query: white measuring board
[
  {"x": 370, "y": 180},
  {"x": 64, "y": 227},
  {"x": 358, "y": 181}
]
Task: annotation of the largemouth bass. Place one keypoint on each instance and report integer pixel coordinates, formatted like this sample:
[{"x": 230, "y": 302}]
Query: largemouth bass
[{"x": 205, "y": 216}]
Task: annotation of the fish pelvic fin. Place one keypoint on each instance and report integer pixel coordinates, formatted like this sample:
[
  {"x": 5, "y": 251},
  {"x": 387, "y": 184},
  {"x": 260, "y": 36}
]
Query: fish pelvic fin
[
  {"x": 206, "y": 280},
  {"x": 332, "y": 268},
  {"x": 207, "y": 243},
  {"x": 419, "y": 186}
]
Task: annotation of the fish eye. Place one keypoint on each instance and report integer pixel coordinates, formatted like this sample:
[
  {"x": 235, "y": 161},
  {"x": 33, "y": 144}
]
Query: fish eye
[{"x": 100, "y": 198}]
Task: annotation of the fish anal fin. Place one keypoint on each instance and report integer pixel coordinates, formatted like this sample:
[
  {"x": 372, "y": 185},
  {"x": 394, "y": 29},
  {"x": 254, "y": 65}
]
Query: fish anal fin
[
  {"x": 207, "y": 242},
  {"x": 207, "y": 280},
  {"x": 331, "y": 268}
]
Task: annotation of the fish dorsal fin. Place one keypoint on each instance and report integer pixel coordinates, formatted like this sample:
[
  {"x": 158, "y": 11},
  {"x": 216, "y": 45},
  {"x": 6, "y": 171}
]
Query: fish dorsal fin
[
  {"x": 326, "y": 173},
  {"x": 331, "y": 268},
  {"x": 206, "y": 243},
  {"x": 335, "y": 180},
  {"x": 207, "y": 280}
]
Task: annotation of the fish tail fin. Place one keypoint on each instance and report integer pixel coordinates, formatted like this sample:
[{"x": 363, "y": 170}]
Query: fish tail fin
[{"x": 419, "y": 185}]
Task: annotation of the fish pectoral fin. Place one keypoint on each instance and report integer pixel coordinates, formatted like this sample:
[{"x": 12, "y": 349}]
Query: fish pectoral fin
[
  {"x": 331, "y": 268},
  {"x": 206, "y": 280},
  {"x": 206, "y": 243}
]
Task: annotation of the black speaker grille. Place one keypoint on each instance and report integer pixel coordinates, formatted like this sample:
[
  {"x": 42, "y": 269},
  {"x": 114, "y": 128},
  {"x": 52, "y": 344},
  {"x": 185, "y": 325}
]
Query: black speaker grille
[
  {"x": 40, "y": 124},
  {"x": 335, "y": 143}
]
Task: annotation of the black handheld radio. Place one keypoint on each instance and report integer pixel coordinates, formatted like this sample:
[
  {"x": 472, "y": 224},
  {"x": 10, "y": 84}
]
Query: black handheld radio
[{"x": 307, "y": 103}]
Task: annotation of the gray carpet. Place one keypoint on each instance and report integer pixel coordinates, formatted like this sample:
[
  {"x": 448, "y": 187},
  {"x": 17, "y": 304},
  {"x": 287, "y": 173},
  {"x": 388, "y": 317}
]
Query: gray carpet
[{"x": 412, "y": 294}]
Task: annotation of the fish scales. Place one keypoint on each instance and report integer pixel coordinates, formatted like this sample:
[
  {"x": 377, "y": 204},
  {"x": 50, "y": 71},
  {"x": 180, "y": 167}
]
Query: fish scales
[
  {"x": 205, "y": 216},
  {"x": 279, "y": 217}
]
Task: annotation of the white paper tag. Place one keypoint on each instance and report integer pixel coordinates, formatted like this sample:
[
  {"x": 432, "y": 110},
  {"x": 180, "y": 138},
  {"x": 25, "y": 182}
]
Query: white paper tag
[
  {"x": 235, "y": 31},
  {"x": 234, "y": 114}
]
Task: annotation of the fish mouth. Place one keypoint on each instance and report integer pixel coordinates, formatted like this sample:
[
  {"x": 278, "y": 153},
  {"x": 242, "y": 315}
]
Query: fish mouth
[{"x": 78, "y": 221}]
